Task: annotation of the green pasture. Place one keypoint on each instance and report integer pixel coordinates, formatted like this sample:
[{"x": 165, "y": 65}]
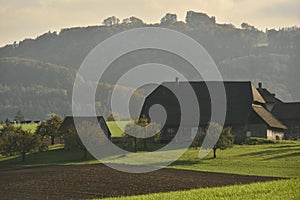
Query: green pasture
[
  {"x": 30, "y": 127},
  {"x": 278, "y": 160},
  {"x": 116, "y": 128},
  {"x": 273, "y": 190}
]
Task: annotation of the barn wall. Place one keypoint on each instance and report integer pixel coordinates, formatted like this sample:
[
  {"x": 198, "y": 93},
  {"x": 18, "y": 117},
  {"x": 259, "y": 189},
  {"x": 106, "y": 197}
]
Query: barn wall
[
  {"x": 293, "y": 129},
  {"x": 257, "y": 130}
]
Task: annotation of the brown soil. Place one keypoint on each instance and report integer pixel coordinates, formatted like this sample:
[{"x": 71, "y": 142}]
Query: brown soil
[{"x": 98, "y": 181}]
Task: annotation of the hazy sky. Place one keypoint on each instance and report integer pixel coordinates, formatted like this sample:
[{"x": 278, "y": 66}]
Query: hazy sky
[{"x": 20, "y": 19}]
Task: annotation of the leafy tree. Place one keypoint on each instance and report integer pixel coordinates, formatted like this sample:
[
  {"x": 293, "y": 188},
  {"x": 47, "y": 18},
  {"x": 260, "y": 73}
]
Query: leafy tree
[
  {"x": 50, "y": 128},
  {"x": 73, "y": 141},
  {"x": 6, "y": 130},
  {"x": 144, "y": 130},
  {"x": 14, "y": 140},
  {"x": 111, "y": 21},
  {"x": 224, "y": 141},
  {"x": 247, "y": 26},
  {"x": 133, "y": 21},
  {"x": 92, "y": 131},
  {"x": 113, "y": 117},
  {"x": 168, "y": 19},
  {"x": 196, "y": 19},
  {"x": 19, "y": 117}
]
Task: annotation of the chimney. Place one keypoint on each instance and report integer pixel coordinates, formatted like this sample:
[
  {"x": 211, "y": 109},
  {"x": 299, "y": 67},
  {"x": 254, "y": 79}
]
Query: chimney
[
  {"x": 177, "y": 80},
  {"x": 259, "y": 84}
]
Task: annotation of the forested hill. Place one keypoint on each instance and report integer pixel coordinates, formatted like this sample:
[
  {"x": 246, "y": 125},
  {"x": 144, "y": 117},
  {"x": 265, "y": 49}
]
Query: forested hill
[
  {"x": 243, "y": 53},
  {"x": 34, "y": 87}
]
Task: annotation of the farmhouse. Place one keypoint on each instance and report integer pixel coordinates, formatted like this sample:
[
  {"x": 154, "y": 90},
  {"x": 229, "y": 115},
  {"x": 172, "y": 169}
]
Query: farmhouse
[
  {"x": 68, "y": 123},
  {"x": 287, "y": 113},
  {"x": 246, "y": 113}
]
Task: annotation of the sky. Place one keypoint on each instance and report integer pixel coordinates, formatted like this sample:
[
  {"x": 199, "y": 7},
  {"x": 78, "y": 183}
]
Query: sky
[{"x": 20, "y": 19}]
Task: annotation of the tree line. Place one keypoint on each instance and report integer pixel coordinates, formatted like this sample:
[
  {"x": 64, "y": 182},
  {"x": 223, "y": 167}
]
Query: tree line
[{"x": 14, "y": 140}]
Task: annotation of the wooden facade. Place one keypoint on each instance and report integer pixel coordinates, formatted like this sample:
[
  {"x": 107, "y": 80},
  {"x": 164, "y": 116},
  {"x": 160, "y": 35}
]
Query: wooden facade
[{"x": 246, "y": 110}]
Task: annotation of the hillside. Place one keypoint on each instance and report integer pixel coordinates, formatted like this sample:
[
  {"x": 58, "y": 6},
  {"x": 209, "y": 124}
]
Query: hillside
[
  {"x": 34, "y": 87},
  {"x": 37, "y": 74}
]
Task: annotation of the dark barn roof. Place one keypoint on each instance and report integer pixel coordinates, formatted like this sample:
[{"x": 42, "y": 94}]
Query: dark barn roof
[
  {"x": 287, "y": 111},
  {"x": 267, "y": 117},
  {"x": 69, "y": 122},
  {"x": 268, "y": 96},
  {"x": 239, "y": 95}
]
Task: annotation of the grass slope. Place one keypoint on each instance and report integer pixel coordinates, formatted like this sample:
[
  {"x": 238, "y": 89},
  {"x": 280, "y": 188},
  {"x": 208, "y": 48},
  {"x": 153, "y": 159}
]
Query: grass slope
[
  {"x": 275, "y": 190},
  {"x": 264, "y": 160},
  {"x": 281, "y": 160},
  {"x": 116, "y": 127}
]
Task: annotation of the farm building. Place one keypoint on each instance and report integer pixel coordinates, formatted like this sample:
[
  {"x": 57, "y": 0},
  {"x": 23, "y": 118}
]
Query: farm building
[
  {"x": 246, "y": 113},
  {"x": 270, "y": 98},
  {"x": 68, "y": 123},
  {"x": 287, "y": 113}
]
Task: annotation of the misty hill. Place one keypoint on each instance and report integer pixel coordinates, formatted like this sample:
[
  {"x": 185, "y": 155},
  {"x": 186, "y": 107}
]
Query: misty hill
[
  {"x": 39, "y": 89},
  {"x": 37, "y": 74},
  {"x": 34, "y": 87}
]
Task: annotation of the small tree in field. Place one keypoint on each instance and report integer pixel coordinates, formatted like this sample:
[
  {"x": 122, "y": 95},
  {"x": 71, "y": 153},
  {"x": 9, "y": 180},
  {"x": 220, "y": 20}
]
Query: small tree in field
[
  {"x": 50, "y": 128},
  {"x": 113, "y": 117},
  {"x": 73, "y": 141},
  {"x": 224, "y": 141},
  {"x": 5, "y": 139},
  {"x": 93, "y": 132},
  {"x": 18, "y": 141},
  {"x": 144, "y": 130}
]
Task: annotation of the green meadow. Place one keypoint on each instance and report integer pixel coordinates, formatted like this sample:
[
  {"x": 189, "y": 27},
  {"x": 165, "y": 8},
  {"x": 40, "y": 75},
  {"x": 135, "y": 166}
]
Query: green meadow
[
  {"x": 278, "y": 160},
  {"x": 115, "y": 127}
]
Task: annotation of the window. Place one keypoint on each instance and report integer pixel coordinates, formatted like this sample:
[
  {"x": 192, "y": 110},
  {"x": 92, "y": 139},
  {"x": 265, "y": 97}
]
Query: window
[{"x": 171, "y": 130}]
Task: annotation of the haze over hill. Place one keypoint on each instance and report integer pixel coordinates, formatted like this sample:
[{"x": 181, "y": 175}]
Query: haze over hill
[{"x": 37, "y": 74}]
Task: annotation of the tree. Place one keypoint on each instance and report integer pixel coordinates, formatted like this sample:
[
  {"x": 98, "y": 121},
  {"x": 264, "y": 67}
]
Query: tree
[
  {"x": 197, "y": 19},
  {"x": 143, "y": 130},
  {"x": 168, "y": 19},
  {"x": 50, "y": 128},
  {"x": 14, "y": 140},
  {"x": 133, "y": 21},
  {"x": 110, "y": 21},
  {"x": 19, "y": 117},
  {"x": 247, "y": 26},
  {"x": 224, "y": 141},
  {"x": 91, "y": 131},
  {"x": 6, "y": 130}
]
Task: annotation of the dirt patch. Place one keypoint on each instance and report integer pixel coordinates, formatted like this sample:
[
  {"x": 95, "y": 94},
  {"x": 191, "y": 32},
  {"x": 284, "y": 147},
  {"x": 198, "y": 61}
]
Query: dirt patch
[{"x": 98, "y": 181}]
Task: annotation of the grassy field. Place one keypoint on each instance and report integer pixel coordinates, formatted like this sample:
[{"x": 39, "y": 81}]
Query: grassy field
[
  {"x": 265, "y": 160},
  {"x": 280, "y": 160},
  {"x": 274, "y": 190},
  {"x": 113, "y": 127},
  {"x": 116, "y": 127},
  {"x": 56, "y": 155},
  {"x": 30, "y": 127}
]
